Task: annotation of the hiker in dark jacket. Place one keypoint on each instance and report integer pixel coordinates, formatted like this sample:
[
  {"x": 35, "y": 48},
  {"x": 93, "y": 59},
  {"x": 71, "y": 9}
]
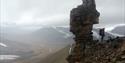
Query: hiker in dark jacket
[{"x": 102, "y": 33}]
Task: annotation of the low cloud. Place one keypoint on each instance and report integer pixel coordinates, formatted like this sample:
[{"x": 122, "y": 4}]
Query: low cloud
[{"x": 55, "y": 12}]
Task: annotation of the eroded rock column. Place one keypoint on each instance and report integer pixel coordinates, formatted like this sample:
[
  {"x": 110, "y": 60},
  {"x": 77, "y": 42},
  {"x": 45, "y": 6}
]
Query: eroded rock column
[{"x": 82, "y": 19}]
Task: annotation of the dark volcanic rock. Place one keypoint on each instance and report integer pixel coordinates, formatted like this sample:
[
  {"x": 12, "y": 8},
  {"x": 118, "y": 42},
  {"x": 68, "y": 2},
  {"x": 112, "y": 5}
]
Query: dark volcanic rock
[
  {"x": 110, "y": 52},
  {"x": 87, "y": 50},
  {"x": 82, "y": 19}
]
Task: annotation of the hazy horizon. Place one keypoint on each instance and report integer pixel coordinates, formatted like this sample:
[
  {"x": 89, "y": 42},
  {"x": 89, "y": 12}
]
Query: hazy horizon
[{"x": 38, "y": 13}]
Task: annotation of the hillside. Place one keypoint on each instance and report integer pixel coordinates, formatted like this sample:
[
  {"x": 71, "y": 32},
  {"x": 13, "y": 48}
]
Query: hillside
[
  {"x": 11, "y": 50},
  {"x": 121, "y": 28},
  {"x": 108, "y": 52},
  {"x": 34, "y": 49},
  {"x": 62, "y": 35},
  {"x": 53, "y": 35},
  {"x": 13, "y": 47},
  {"x": 58, "y": 57}
]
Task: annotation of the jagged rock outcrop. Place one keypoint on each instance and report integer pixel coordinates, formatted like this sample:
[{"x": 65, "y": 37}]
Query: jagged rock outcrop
[
  {"x": 87, "y": 50},
  {"x": 108, "y": 52},
  {"x": 82, "y": 19}
]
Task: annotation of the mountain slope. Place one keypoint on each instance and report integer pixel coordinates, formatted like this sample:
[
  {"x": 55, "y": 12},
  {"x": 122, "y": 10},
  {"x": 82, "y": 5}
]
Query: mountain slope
[
  {"x": 53, "y": 35},
  {"x": 107, "y": 34},
  {"x": 62, "y": 35},
  {"x": 55, "y": 57},
  {"x": 119, "y": 30},
  {"x": 13, "y": 47},
  {"x": 12, "y": 50},
  {"x": 98, "y": 52},
  {"x": 58, "y": 57}
]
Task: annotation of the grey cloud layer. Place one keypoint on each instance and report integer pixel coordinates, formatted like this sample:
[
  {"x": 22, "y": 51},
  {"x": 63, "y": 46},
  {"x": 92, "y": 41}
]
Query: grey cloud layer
[{"x": 33, "y": 12}]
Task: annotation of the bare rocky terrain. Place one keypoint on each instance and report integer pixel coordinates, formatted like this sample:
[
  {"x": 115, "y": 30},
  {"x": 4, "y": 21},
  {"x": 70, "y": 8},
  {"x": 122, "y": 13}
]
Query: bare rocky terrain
[
  {"x": 108, "y": 52},
  {"x": 32, "y": 49}
]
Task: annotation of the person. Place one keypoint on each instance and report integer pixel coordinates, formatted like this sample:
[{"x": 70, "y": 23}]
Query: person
[{"x": 102, "y": 33}]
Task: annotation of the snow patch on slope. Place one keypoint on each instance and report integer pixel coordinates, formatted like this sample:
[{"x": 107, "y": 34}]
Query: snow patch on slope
[
  {"x": 3, "y": 45},
  {"x": 8, "y": 57}
]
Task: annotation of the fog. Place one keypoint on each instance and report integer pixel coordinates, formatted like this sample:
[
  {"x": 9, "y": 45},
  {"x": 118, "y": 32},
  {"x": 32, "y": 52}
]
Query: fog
[{"x": 38, "y": 13}]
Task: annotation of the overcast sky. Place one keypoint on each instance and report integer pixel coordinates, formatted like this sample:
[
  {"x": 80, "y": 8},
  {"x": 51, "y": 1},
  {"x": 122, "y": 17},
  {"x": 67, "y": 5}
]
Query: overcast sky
[{"x": 55, "y": 12}]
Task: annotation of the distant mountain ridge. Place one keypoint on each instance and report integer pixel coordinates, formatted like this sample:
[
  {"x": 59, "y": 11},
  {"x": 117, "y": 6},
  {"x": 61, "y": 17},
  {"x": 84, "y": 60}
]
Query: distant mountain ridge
[
  {"x": 54, "y": 35},
  {"x": 119, "y": 30},
  {"x": 62, "y": 34}
]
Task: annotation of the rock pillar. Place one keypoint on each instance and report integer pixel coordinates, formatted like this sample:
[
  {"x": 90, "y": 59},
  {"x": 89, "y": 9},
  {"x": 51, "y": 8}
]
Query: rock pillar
[{"x": 82, "y": 19}]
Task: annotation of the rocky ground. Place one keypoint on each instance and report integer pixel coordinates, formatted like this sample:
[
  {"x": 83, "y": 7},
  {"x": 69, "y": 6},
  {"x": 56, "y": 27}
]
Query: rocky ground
[{"x": 110, "y": 51}]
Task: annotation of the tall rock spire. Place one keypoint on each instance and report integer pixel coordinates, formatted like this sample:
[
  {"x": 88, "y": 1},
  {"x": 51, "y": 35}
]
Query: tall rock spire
[
  {"x": 89, "y": 3},
  {"x": 82, "y": 19}
]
